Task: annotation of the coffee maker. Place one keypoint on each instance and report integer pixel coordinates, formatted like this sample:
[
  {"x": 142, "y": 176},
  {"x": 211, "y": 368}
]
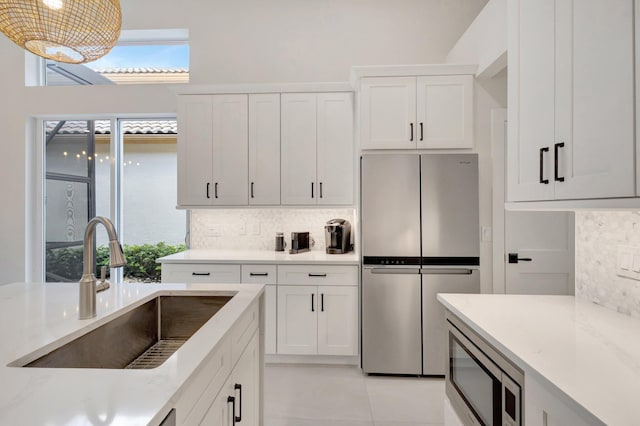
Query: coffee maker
[{"x": 338, "y": 235}]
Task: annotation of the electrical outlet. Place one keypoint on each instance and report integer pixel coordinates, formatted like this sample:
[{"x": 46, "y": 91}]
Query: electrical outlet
[
  {"x": 628, "y": 262},
  {"x": 214, "y": 231},
  {"x": 242, "y": 229},
  {"x": 255, "y": 228}
]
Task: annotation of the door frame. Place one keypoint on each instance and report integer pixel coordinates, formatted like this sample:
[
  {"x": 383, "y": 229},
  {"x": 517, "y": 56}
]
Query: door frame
[{"x": 498, "y": 155}]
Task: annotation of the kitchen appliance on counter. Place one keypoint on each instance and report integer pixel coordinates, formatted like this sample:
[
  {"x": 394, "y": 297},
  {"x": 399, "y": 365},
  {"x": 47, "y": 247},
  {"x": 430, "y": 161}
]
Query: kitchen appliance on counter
[
  {"x": 299, "y": 242},
  {"x": 420, "y": 237},
  {"x": 338, "y": 235},
  {"x": 483, "y": 386}
]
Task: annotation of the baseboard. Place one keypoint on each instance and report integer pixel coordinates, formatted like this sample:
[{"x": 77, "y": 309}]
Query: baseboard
[{"x": 311, "y": 359}]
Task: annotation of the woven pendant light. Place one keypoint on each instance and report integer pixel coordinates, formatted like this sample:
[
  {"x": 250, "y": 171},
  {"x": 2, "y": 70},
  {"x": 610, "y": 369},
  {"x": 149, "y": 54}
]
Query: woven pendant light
[{"x": 71, "y": 31}]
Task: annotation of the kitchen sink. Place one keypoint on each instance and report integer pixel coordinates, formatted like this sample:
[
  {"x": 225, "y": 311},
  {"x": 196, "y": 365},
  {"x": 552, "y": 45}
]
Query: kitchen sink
[{"x": 142, "y": 338}]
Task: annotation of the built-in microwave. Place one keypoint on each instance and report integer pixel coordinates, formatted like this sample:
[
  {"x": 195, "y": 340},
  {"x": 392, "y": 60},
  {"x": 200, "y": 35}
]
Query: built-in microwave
[{"x": 484, "y": 388}]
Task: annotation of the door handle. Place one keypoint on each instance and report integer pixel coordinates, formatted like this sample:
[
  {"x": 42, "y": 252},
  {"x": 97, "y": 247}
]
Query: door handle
[
  {"x": 232, "y": 400},
  {"x": 395, "y": 271},
  {"x": 215, "y": 189},
  {"x": 321, "y": 302},
  {"x": 311, "y": 189},
  {"x": 556, "y": 148},
  {"x": 258, "y": 274},
  {"x": 320, "y": 189},
  {"x": 201, "y": 274},
  {"x": 411, "y": 124},
  {"x": 542, "y": 151},
  {"x": 312, "y": 307},
  {"x": 317, "y": 275},
  {"x": 421, "y": 132},
  {"x": 446, "y": 271},
  {"x": 251, "y": 189},
  {"x": 208, "y": 185},
  {"x": 238, "y": 387},
  {"x": 513, "y": 258}
]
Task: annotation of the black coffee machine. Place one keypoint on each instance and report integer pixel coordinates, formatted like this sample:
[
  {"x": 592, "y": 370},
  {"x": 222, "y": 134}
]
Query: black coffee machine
[{"x": 338, "y": 235}]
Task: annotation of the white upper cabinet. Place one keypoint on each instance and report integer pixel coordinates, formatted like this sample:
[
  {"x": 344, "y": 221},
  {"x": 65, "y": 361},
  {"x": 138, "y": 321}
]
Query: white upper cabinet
[
  {"x": 335, "y": 163},
  {"x": 444, "y": 111},
  {"x": 230, "y": 150},
  {"x": 571, "y": 100},
  {"x": 434, "y": 111},
  {"x": 195, "y": 151},
  {"x": 317, "y": 149},
  {"x": 388, "y": 112},
  {"x": 264, "y": 149}
]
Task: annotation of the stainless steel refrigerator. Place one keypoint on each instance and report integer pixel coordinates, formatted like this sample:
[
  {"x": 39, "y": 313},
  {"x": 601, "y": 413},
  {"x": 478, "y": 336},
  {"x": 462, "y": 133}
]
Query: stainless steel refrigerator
[{"x": 420, "y": 237}]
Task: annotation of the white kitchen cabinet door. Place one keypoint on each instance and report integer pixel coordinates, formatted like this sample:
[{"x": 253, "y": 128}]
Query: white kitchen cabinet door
[
  {"x": 335, "y": 156},
  {"x": 388, "y": 113},
  {"x": 444, "y": 111},
  {"x": 595, "y": 98},
  {"x": 338, "y": 320},
  {"x": 531, "y": 100},
  {"x": 297, "y": 320},
  {"x": 246, "y": 379},
  {"x": 230, "y": 150},
  {"x": 298, "y": 144},
  {"x": 264, "y": 149},
  {"x": 195, "y": 153}
]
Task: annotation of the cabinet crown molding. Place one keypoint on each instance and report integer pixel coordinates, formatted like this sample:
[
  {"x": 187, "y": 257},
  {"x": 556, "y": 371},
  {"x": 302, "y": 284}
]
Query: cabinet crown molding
[
  {"x": 215, "y": 89},
  {"x": 357, "y": 72}
]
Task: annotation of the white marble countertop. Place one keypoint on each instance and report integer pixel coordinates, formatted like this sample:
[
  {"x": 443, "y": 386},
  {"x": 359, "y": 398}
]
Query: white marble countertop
[
  {"x": 587, "y": 355},
  {"x": 44, "y": 316},
  {"x": 261, "y": 257}
]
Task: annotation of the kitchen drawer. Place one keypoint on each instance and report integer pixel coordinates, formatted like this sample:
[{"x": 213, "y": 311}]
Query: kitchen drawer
[
  {"x": 259, "y": 274},
  {"x": 317, "y": 275},
  {"x": 200, "y": 273},
  {"x": 243, "y": 330}
]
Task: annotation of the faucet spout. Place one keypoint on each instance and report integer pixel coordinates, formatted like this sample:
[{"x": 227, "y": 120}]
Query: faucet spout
[{"x": 87, "y": 307}]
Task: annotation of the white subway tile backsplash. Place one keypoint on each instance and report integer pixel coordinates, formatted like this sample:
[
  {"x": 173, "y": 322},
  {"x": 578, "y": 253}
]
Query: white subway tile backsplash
[
  {"x": 598, "y": 237},
  {"x": 255, "y": 229}
]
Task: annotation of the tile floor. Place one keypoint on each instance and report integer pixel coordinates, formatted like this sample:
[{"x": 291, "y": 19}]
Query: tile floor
[{"x": 320, "y": 395}]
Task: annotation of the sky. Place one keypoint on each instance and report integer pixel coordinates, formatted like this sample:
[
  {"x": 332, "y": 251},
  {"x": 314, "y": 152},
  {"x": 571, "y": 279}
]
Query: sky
[{"x": 159, "y": 56}]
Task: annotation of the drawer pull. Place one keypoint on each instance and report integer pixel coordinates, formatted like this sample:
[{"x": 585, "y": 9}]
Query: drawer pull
[
  {"x": 258, "y": 274},
  {"x": 201, "y": 274},
  {"x": 317, "y": 275}
]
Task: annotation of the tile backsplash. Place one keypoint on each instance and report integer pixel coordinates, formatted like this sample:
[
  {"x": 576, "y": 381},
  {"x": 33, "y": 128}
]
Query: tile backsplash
[
  {"x": 255, "y": 229},
  {"x": 598, "y": 235}
]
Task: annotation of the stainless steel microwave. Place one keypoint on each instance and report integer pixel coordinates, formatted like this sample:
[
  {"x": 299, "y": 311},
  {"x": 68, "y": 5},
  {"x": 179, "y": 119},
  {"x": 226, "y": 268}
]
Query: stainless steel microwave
[{"x": 484, "y": 388}]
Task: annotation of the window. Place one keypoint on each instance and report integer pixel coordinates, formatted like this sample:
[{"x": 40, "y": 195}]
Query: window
[
  {"x": 130, "y": 178},
  {"x": 140, "y": 57}
]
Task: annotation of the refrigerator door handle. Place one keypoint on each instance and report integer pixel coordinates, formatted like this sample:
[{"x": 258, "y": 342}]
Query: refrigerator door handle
[
  {"x": 394, "y": 271},
  {"x": 446, "y": 271}
]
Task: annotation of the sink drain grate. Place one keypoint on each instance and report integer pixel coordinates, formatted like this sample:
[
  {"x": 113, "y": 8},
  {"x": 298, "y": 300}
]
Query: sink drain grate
[{"x": 156, "y": 354}]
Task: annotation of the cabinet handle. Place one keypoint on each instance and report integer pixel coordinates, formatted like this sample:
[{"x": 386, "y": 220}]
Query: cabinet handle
[
  {"x": 421, "y": 132},
  {"x": 322, "y": 302},
  {"x": 238, "y": 387},
  {"x": 215, "y": 190},
  {"x": 542, "y": 151},
  {"x": 312, "y": 307},
  {"x": 258, "y": 274},
  {"x": 320, "y": 189},
  {"x": 232, "y": 400},
  {"x": 311, "y": 189},
  {"x": 201, "y": 274},
  {"x": 317, "y": 275},
  {"x": 252, "y": 190},
  {"x": 208, "y": 185},
  {"x": 411, "y": 125},
  {"x": 556, "y": 148}
]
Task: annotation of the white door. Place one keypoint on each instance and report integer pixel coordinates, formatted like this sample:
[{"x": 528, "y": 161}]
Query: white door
[
  {"x": 388, "y": 113},
  {"x": 264, "y": 149},
  {"x": 246, "y": 385},
  {"x": 297, "y": 320},
  {"x": 195, "y": 151},
  {"x": 595, "y": 98},
  {"x": 531, "y": 99},
  {"x": 230, "y": 150},
  {"x": 335, "y": 149},
  {"x": 338, "y": 320},
  {"x": 543, "y": 244},
  {"x": 298, "y": 144},
  {"x": 445, "y": 111}
]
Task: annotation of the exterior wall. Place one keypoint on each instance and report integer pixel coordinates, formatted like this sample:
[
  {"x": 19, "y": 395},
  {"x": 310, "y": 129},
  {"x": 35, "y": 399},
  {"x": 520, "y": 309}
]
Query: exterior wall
[
  {"x": 598, "y": 234},
  {"x": 246, "y": 41}
]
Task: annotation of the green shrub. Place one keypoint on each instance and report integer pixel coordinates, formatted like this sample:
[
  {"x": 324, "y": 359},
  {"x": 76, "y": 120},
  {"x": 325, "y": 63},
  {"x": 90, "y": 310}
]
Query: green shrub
[{"x": 66, "y": 264}]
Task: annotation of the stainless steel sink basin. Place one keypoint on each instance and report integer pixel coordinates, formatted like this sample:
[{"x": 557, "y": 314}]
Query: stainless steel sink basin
[{"x": 141, "y": 338}]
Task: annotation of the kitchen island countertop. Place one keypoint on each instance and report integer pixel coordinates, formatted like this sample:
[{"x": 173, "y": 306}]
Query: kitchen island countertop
[
  {"x": 37, "y": 318},
  {"x": 261, "y": 257},
  {"x": 587, "y": 356}
]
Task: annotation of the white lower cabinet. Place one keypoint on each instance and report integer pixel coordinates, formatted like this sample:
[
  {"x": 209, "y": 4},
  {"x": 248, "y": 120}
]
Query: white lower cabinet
[
  {"x": 239, "y": 398},
  {"x": 317, "y": 320}
]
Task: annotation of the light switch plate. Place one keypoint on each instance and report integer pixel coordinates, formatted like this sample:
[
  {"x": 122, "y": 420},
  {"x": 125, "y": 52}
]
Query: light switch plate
[{"x": 628, "y": 262}]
